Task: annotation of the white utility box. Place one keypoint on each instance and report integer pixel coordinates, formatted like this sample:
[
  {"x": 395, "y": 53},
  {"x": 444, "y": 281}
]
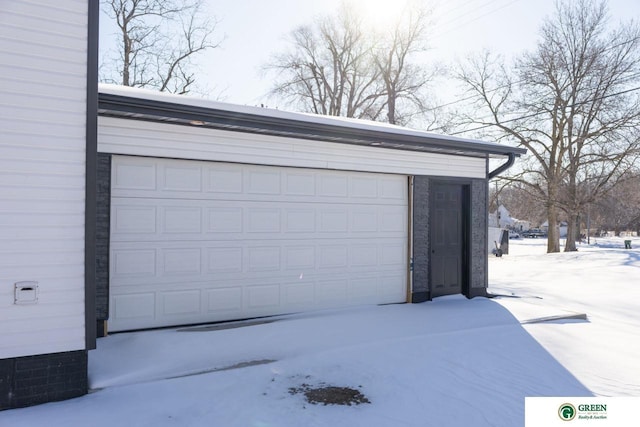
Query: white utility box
[{"x": 25, "y": 293}]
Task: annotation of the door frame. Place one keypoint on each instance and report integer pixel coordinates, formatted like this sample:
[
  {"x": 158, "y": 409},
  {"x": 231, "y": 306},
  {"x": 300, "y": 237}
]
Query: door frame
[{"x": 465, "y": 185}]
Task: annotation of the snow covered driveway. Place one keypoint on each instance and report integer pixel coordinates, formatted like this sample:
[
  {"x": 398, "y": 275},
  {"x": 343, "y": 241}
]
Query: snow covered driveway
[{"x": 450, "y": 362}]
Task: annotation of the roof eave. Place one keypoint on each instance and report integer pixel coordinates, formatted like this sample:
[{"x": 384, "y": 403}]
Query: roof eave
[{"x": 189, "y": 115}]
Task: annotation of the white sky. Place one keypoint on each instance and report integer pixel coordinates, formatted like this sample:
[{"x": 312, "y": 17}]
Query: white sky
[{"x": 255, "y": 29}]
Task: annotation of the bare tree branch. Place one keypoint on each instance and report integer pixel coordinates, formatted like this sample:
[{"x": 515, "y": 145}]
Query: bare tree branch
[
  {"x": 337, "y": 67},
  {"x": 158, "y": 40},
  {"x": 571, "y": 103}
]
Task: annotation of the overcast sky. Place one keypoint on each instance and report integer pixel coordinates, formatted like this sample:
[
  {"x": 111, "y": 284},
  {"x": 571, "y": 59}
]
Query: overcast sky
[{"x": 255, "y": 29}]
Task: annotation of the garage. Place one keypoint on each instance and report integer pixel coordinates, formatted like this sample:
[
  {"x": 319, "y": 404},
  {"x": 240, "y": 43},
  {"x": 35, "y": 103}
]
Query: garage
[
  {"x": 208, "y": 212},
  {"x": 195, "y": 241}
]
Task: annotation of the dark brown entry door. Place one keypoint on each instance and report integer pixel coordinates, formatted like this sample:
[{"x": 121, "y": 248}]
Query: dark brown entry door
[{"x": 447, "y": 239}]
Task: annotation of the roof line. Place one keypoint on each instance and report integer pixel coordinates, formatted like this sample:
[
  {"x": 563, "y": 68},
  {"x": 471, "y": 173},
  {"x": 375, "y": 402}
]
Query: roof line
[{"x": 134, "y": 107}]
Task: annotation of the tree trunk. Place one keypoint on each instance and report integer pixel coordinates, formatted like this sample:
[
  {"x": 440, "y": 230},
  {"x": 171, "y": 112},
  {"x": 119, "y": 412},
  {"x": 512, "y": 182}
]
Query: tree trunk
[
  {"x": 572, "y": 230},
  {"x": 553, "y": 234},
  {"x": 391, "y": 106},
  {"x": 126, "y": 42}
]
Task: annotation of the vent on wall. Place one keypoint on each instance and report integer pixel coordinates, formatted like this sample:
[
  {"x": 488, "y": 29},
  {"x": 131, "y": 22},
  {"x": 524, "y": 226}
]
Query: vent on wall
[{"x": 25, "y": 293}]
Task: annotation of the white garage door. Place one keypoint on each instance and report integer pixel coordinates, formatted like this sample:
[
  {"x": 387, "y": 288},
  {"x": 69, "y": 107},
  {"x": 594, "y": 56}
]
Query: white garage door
[{"x": 195, "y": 242}]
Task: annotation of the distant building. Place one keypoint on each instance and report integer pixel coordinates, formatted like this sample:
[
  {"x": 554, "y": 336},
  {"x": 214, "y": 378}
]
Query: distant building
[
  {"x": 502, "y": 219},
  {"x": 521, "y": 225},
  {"x": 563, "y": 227}
]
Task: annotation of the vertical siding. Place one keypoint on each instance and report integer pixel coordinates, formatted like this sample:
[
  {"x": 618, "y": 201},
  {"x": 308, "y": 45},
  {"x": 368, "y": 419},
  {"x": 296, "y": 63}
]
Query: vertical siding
[{"x": 43, "y": 67}]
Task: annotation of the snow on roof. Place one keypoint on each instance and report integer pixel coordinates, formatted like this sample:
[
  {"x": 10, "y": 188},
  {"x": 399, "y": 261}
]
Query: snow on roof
[{"x": 343, "y": 122}]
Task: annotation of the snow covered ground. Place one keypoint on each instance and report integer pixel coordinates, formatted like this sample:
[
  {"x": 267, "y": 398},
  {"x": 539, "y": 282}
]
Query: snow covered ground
[{"x": 566, "y": 324}]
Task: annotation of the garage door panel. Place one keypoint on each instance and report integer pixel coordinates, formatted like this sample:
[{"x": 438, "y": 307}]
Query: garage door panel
[
  {"x": 300, "y": 183},
  {"x": 363, "y": 187},
  {"x": 223, "y": 180},
  {"x": 180, "y": 219},
  {"x": 299, "y": 258},
  {"x": 334, "y": 220},
  {"x": 155, "y": 219},
  {"x": 333, "y": 256},
  {"x": 365, "y": 289},
  {"x": 393, "y": 220},
  {"x": 263, "y": 220},
  {"x": 363, "y": 255},
  {"x": 263, "y": 259},
  {"x": 260, "y": 297},
  {"x": 332, "y": 293},
  {"x": 393, "y": 254},
  {"x": 224, "y": 259},
  {"x": 299, "y": 294},
  {"x": 140, "y": 306},
  {"x": 390, "y": 285},
  {"x": 223, "y": 300},
  {"x": 235, "y": 299},
  {"x": 129, "y": 263},
  {"x": 223, "y": 220},
  {"x": 391, "y": 189},
  {"x": 202, "y": 242},
  {"x": 134, "y": 175},
  {"x": 133, "y": 219},
  {"x": 183, "y": 178},
  {"x": 299, "y": 220},
  {"x": 180, "y": 262},
  {"x": 179, "y": 303},
  {"x": 263, "y": 181},
  {"x": 364, "y": 220},
  {"x": 205, "y": 260},
  {"x": 333, "y": 185},
  {"x": 141, "y": 177}
]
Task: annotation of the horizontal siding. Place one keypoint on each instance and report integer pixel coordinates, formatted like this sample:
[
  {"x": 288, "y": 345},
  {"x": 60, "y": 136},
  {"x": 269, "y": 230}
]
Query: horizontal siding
[
  {"x": 132, "y": 137},
  {"x": 55, "y": 340},
  {"x": 42, "y": 173}
]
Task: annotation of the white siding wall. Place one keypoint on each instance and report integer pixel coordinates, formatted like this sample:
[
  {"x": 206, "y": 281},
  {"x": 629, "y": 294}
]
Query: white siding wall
[
  {"x": 133, "y": 137},
  {"x": 42, "y": 173}
]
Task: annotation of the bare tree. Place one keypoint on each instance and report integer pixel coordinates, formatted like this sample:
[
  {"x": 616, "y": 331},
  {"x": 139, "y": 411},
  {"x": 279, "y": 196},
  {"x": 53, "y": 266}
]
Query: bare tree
[
  {"x": 572, "y": 103},
  {"x": 158, "y": 40},
  {"x": 619, "y": 208},
  {"x": 404, "y": 80},
  {"x": 336, "y": 66},
  {"x": 329, "y": 69}
]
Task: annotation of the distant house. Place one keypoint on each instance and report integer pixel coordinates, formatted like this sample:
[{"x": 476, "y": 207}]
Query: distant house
[
  {"x": 501, "y": 218},
  {"x": 126, "y": 209},
  {"x": 521, "y": 225},
  {"x": 563, "y": 226}
]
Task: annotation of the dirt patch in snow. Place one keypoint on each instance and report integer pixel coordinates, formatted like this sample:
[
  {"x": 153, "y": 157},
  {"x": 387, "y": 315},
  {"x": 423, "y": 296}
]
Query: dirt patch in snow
[{"x": 330, "y": 395}]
